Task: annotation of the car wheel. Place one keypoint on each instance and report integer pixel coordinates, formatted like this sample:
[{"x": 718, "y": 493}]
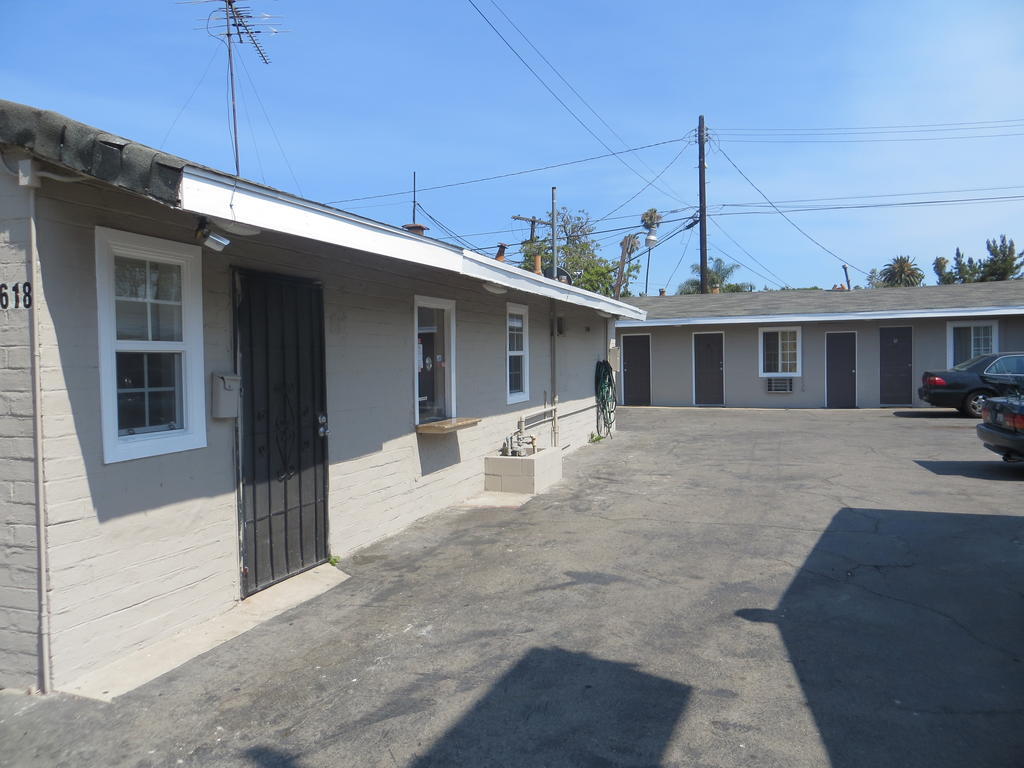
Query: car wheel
[{"x": 973, "y": 403}]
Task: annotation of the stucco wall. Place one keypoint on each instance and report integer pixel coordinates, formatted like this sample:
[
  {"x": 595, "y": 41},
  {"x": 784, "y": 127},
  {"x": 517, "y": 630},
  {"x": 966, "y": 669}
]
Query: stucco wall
[
  {"x": 672, "y": 360},
  {"x": 142, "y": 548},
  {"x": 19, "y": 573}
]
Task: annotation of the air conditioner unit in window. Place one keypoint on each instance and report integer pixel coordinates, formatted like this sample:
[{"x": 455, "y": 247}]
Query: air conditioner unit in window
[{"x": 779, "y": 385}]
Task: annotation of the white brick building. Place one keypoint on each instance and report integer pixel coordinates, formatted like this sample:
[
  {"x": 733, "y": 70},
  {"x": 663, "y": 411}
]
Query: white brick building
[{"x": 143, "y": 486}]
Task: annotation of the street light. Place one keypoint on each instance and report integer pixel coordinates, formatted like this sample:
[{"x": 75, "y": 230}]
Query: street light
[{"x": 650, "y": 241}]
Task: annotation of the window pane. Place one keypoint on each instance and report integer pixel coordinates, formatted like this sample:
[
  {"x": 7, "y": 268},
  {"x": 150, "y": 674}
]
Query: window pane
[
  {"x": 961, "y": 344},
  {"x": 166, "y": 321},
  {"x": 982, "y": 339},
  {"x": 164, "y": 281},
  {"x": 131, "y": 320},
  {"x": 515, "y": 374},
  {"x": 163, "y": 410},
  {"x": 787, "y": 352},
  {"x": 433, "y": 363},
  {"x": 130, "y": 278},
  {"x": 515, "y": 333},
  {"x": 771, "y": 351},
  {"x": 164, "y": 369},
  {"x": 131, "y": 412},
  {"x": 131, "y": 370}
]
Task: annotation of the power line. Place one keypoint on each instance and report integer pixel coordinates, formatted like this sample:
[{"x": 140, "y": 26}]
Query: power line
[
  {"x": 510, "y": 173},
  {"x": 579, "y": 96},
  {"x": 648, "y": 184},
  {"x": 752, "y": 256},
  {"x": 793, "y": 223},
  {"x": 884, "y": 127},
  {"x": 550, "y": 90},
  {"x": 678, "y": 263},
  {"x": 901, "y": 204},
  {"x": 188, "y": 101},
  {"x": 868, "y": 197},
  {"x": 733, "y": 258},
  {"x": 730, "y": 140}
]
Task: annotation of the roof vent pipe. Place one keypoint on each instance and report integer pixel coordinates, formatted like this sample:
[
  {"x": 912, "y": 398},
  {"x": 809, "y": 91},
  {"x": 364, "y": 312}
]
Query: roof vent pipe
[
  {"x": 416, "y": 229},
  {"x": 501, "y": 252}
]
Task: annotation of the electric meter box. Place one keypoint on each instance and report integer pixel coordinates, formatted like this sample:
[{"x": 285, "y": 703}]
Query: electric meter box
[{"x": 227, "y": 389}]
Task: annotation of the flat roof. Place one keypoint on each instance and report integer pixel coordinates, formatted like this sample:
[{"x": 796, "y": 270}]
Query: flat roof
[
  {"x": 994, "y": 298},
  {"x": 184, "y": 185}
]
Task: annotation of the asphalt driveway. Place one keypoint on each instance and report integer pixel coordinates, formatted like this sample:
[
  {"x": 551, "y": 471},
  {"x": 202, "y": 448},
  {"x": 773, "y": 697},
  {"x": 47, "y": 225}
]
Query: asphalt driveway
[{"x": 709, "y": 588}]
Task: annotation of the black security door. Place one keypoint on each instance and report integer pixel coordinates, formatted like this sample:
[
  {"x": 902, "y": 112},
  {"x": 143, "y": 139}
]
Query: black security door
[
  {"x": 896, "y": 366},
  {"x": 841, "y": 370},
  {"x": 708, "y": 369},
  {"x": 636, "y": 370},
  {"x": 283, "y": 428}
]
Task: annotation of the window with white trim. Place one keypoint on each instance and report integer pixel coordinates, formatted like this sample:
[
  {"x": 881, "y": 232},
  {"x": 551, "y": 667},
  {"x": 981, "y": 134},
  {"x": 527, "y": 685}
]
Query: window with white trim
[
  {"x": 149, "y": 302},
  {"x": 517, "y": 357},
  {"x": 434, "y": 348},
  {"x": 779, "y": 351},
  {"x": 970, "y": 339}
]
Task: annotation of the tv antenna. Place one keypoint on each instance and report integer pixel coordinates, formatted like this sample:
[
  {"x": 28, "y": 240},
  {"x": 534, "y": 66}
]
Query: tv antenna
[{"x": 237, "y": 25}]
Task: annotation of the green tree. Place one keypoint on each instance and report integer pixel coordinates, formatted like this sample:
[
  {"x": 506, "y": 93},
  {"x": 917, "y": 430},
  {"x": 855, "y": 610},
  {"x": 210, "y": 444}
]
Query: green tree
[
  {"x": 963, "y": 270},
  {"x": 578, "y": 255},
  {"x": 901, "y": 272},
  {"x": 873, "y": 280},
  {"x": 719, "y": 274},
  {"x": 1002, "y": 262}
]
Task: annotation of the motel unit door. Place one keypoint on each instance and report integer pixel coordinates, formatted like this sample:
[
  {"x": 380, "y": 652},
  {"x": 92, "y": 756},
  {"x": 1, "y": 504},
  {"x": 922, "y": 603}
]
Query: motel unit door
[
  {"x": 841, "y": 370},
  {"x": 708, "y": 368},
  {"x": 896, "y": 366},
  {"x": 283, "y": 429},
  {"x": 636, "y": 369}
]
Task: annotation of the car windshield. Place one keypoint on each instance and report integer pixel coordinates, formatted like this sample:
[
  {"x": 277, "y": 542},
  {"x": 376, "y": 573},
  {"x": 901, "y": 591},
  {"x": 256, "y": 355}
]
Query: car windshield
[{"x": 967, "y": 364}]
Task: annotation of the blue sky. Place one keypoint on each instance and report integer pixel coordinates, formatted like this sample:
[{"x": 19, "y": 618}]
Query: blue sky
[{"x": 361, "y": 94}]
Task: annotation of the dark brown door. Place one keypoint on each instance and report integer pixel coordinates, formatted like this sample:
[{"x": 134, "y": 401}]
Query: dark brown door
[
  {"x": 636, "y": 370},
  {"x": 841, "y": 370},
  {"x": 896, "y": 366},
  {"x": 708, "y": 369},
  {"x": 283, "y": 428}
]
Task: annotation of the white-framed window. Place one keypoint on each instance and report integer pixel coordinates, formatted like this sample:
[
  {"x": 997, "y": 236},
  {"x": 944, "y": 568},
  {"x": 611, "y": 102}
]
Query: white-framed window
[
  {"x": 970, "y": 338},
  {"x": 779, "y": 352},
  {"x": 150, "y": 321},
  {"x": 434, "y": 351},
  {"x": 517, "y": 357}
]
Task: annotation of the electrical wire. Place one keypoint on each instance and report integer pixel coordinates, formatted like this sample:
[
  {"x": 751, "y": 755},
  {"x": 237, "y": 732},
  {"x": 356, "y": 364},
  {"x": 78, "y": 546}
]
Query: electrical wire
[
  {"x": 557, "y": 98},
  {"x": 188, "y": 101},
  {"x": 920, "y": 127},
  {"x": 902, "y": 204},
  {"x": 670, "y": 192},
  {"x": 783, "y": 215},
  {"x": 734, "y": 259},
  {"x": 730, "y": 140},
  {"x": 869, "y": 197},
  {"x": 510, "y": 174},
  {"x": 678, "y": 263},
  {"x": 752, "y": 256},
  {"x": 646, "y": 186}
]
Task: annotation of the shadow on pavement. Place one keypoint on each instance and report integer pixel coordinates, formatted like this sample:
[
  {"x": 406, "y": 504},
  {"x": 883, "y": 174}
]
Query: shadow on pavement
[
  {"x": 906, "y": 632},
  {"x": 993, "y": 469},
  {"x": 929, "y": 413},
  {"x": 561, "y": 709},
  {"x": 268, "y": 757}
]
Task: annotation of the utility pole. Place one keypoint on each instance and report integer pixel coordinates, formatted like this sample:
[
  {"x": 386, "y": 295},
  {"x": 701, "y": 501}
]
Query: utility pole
[
  {"x": 533, "y": 221},
  {"x": 701, "y": 137},
  {"x": 228, "y": 11},
  {"x": 554, "y": 233}
]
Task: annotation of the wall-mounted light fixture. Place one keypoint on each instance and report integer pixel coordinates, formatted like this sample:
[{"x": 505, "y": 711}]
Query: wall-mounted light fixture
[
  {"x": 496, "y": 289},
  {"x": 212, "y": 240}
]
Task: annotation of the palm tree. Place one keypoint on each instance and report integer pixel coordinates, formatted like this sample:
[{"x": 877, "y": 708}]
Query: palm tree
[
  {"x": 718, "y": 276},
  {"x": 901, "y": 272}
]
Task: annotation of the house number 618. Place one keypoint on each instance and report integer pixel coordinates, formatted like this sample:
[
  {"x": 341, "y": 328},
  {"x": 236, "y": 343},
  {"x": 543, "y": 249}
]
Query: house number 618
[{"x": 20, "y": 294}]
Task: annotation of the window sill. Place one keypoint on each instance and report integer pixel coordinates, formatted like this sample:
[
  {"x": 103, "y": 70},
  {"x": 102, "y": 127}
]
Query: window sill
[
  {"x": 779, "y": 375},
  {"x": 446, "y": 426},
  {"x": 520, "y": 397},
  {"x": 152, "y": 444}
]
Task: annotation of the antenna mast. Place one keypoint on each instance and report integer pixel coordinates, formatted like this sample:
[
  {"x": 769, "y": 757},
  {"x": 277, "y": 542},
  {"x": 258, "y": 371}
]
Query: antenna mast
[{"x": 237, "y": 25}]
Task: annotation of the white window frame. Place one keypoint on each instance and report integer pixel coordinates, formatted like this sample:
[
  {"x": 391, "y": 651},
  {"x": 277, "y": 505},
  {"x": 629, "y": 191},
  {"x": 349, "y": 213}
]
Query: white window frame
[
  {"x": 449, "y": 377},
  {"x": 518, "y": 309},
  {"x": 799, "y": 352},
  {"x": 951, "y": 324},
  {"x": 110, "y": 244}
]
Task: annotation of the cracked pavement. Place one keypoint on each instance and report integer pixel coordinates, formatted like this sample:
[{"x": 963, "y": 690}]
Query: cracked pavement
[{"x": 710, "y": 589}]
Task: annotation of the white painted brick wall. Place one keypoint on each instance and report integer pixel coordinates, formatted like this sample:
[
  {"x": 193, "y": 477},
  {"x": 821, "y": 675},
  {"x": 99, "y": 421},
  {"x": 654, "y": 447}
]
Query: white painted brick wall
[{"x": 19, "y": 597}]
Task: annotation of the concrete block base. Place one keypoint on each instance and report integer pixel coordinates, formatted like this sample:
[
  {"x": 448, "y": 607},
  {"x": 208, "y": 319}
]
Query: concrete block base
[{"x": 523, "y": 474}]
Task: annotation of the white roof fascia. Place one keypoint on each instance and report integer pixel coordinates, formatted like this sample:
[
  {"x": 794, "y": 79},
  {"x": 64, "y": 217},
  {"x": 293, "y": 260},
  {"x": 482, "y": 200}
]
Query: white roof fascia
[
  {"x": 208, "y": 193},
  {"x": 226, "y": 197},
  {"x": 509, "y": 276},
  {"x": 895, "y": 314}
]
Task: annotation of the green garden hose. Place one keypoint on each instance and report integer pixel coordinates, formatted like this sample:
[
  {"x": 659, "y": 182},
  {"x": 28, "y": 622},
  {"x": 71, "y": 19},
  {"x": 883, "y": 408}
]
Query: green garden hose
[{"x": 604, "y": 390}]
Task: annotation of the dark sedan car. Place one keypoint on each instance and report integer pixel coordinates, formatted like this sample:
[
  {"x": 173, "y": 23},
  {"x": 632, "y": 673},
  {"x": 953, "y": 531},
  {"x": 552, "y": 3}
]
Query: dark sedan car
[
  {"x": 1002, "y": 426},
  {"x": 962, "y": 385}
]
